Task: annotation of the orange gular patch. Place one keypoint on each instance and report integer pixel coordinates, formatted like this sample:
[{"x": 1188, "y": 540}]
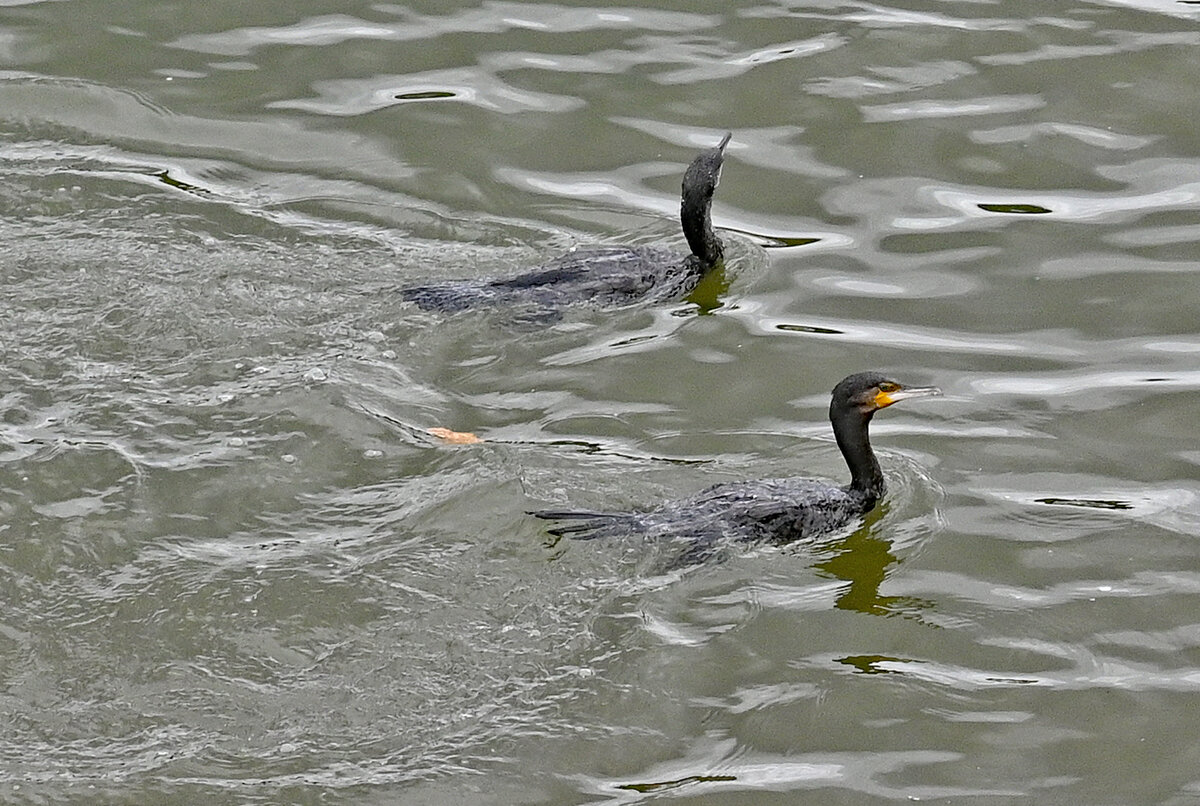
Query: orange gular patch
[
  {"x": 883, "y": 399},
  {"x": 454, "y": 437}
]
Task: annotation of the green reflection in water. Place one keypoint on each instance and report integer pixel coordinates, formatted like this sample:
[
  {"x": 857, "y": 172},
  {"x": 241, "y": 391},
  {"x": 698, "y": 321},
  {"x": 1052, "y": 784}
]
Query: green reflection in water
[
  {"x": 862, "y": 559},
  {"x": 179, "y": 184},
  {"x": 707, "y": 293},
  {"x": 868, "y": 664}
]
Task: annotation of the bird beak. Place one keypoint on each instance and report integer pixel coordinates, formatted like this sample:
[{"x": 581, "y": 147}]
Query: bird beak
[
  {"x": 885, "y": 399},
  {"x": 721, "y": 157}
]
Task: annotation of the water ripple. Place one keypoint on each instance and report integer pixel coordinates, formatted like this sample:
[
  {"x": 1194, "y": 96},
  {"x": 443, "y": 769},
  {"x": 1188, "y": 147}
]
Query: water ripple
[
  {"x": 361, "y": 96},
  {"x": 492, "y": 18},
  {"x": 234, "y": 566},
  {"x": 716, "y": 765}
]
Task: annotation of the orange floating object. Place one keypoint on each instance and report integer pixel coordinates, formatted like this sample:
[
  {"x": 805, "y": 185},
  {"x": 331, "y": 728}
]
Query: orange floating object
[{"x": 455, "y": 437}]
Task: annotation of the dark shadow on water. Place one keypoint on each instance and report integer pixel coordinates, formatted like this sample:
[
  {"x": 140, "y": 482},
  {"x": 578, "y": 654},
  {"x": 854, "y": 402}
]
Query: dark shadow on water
[
  {"x": 1086, "y": 503},
  {"x": 1016, "y": 209},
  {"x": 427, "y": 95},
  {"x": 664, "y": 786},
  {"x": 774, "y": 241},
  {"x": 821, "y": 331}
]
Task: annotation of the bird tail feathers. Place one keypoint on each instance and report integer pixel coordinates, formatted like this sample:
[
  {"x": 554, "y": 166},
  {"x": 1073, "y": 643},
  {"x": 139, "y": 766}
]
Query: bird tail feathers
[{"x": 585, "y": 525}]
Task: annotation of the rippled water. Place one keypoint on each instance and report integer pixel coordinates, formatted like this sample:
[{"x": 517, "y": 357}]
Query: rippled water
[{"x": 235, "y": 568}]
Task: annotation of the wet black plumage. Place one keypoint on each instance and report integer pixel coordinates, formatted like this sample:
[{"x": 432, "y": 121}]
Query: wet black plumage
[
  {"x": 606, "y": 276},
  {"x": 769, "y": 510}
]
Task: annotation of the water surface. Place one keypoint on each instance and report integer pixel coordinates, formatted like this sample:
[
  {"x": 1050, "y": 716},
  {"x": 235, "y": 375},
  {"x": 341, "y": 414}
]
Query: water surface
[{"x": 235, "y": 568}]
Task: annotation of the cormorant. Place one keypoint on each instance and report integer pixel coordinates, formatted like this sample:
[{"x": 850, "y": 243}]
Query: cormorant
[
  {"x": 768, "y": 510},
  {"x": 606, "y": 276}
]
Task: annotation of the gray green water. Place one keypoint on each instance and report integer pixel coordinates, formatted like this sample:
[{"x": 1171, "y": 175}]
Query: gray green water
[{"x": 234, "y": 570}]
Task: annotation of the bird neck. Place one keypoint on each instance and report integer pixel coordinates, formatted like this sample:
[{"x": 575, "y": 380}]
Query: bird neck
[
  {"x": 866, "y": 477},
  {"x": 696, "y": 216}
]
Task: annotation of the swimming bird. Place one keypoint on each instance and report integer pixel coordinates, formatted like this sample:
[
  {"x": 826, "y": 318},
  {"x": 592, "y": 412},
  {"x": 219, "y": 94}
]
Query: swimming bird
[
  {"x": 776, "y": 511},
  {"x": 606, "y": 276}
]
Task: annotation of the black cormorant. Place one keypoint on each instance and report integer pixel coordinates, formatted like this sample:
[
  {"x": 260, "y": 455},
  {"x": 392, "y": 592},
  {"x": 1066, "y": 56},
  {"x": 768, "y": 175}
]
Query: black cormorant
[
  {"x": 768, "y": 510},
  {"x": 606, "y": 276}
]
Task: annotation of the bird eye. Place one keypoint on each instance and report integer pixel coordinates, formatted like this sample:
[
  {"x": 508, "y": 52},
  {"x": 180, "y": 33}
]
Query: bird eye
[{"x": 888, "y": 386}]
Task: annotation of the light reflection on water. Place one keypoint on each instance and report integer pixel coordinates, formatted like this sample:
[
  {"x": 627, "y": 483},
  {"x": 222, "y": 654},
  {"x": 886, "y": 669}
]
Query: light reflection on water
[{"x": 234, "y": 565}]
